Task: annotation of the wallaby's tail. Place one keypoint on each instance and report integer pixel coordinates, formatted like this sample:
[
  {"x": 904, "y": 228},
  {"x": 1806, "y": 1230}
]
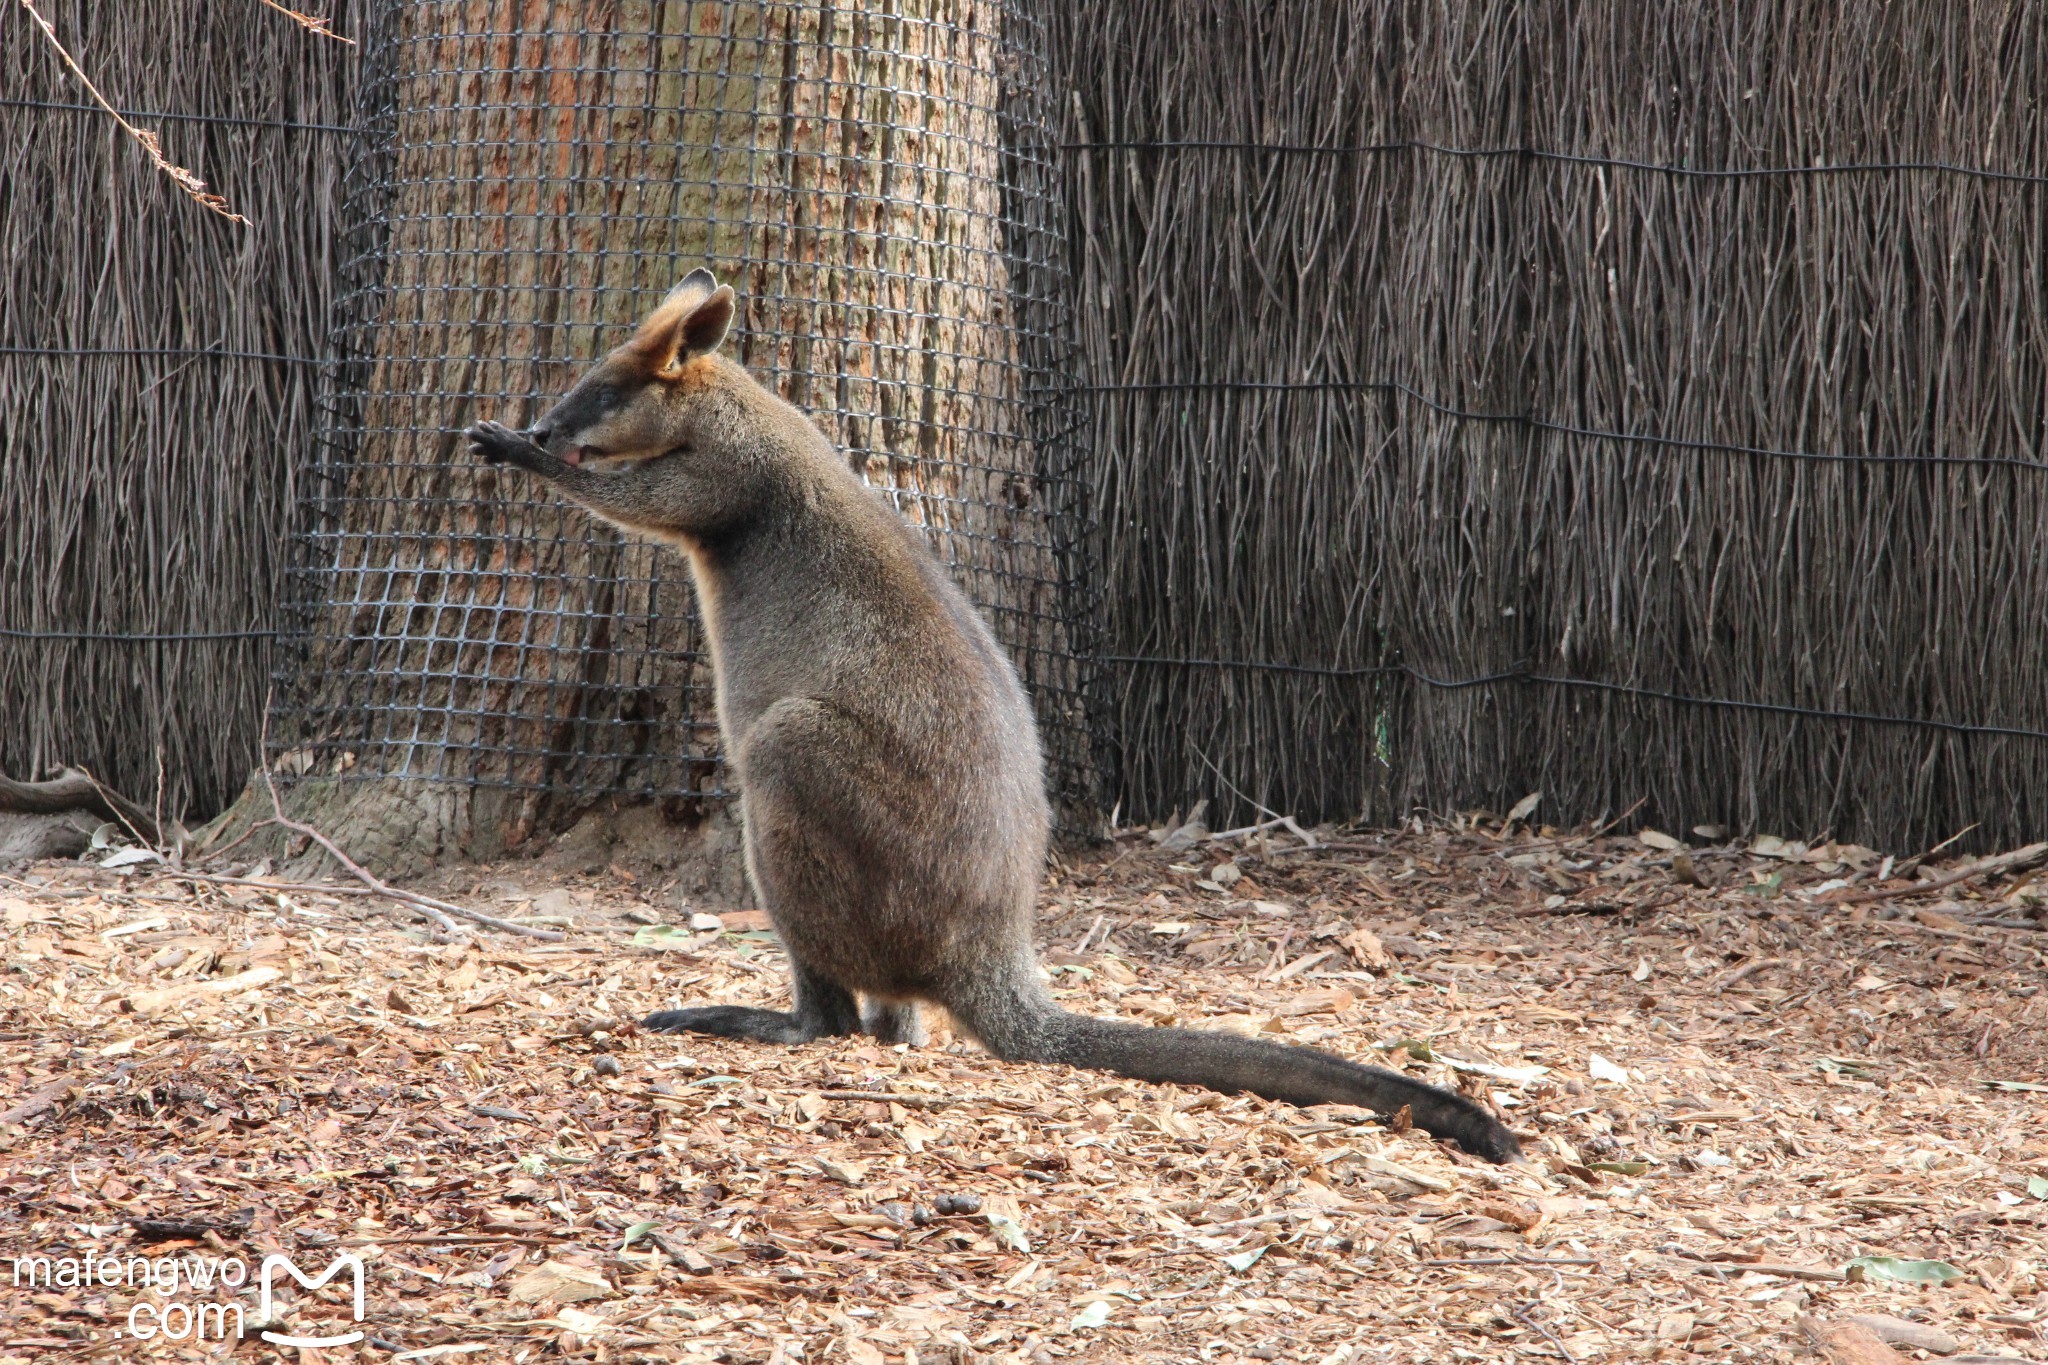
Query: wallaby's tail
[{"x": 1227, "y": 1062}]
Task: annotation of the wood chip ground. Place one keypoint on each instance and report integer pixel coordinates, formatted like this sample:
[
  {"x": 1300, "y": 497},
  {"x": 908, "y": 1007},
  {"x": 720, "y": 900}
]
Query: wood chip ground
[{"x": 1730, "y": 1091}]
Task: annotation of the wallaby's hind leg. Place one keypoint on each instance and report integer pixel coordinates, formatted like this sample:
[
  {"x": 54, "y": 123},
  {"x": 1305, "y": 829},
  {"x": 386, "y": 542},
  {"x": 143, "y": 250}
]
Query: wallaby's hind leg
[
  {"x": 823, "y": 1010},
  {"x": 893, "y": 1023}
]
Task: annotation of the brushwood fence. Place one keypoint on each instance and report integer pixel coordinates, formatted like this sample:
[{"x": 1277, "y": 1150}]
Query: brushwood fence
[
  {"x": 1623, "y": 402},
  {"x": 159, "y": 372},
  {"x": 1628, "y": 403}
]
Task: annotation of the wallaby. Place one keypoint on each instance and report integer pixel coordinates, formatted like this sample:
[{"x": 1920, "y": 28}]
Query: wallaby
[{"x": 891, "y": 789}]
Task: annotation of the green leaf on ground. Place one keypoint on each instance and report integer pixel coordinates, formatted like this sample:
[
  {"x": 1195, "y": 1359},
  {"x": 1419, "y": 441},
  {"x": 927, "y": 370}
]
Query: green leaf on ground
[{"x": 1906, "y": 1272}]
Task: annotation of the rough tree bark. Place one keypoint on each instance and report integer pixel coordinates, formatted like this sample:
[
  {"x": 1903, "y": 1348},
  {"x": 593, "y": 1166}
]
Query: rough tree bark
[{"x": 537, "y": 185}]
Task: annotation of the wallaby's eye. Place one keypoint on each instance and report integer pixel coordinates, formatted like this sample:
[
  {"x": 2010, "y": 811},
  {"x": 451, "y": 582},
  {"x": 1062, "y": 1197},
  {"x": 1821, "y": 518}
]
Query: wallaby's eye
[{"x": 608, "y": 396}]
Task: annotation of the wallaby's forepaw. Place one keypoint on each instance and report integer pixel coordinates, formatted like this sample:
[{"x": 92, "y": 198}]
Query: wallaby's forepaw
[{"x": 496, "y": 443}]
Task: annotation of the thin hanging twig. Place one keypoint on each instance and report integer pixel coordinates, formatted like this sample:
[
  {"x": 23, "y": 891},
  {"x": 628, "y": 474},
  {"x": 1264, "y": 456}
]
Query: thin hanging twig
[
  {"x": 185, "y": 180},
  {"x": 312, "y": 23}
]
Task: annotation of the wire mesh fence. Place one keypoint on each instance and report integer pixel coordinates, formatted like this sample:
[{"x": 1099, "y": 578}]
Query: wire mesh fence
[
  {"x": 1614, "y": 401},
  {"x": 875, "y": 181},
  {"x": 158, "y": 369}
]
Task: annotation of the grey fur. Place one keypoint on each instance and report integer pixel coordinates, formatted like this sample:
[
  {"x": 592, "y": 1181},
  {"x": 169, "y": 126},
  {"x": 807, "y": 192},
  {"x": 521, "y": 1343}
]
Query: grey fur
[{"x": 892, "y": 792}]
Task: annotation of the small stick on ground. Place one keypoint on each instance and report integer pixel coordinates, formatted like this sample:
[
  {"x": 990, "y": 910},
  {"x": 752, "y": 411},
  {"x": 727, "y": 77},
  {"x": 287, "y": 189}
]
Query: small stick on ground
[
  {"x": 426, "y": 906},
  {"x": 889, "y": 1097},
  {"x": 1525, "y": 1315},
  {"x": 2004, "y": 862},
  {"x": 1746, "y": 971},
  {"x": 429, "y": 908}
]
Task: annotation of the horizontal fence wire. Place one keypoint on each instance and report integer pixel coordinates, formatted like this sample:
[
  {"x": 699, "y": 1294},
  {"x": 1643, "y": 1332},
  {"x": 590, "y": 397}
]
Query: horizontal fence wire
[
  {"x": 158, "y": 368},
  {"x": 148, "y": 117},
  {"x": 878, "y": 186},
  {"x": 1542, "y": 154},
  {"x": 162, "y": 352},
  {"x": 1536, "y": 423},
  {"x": 1622, "y": 403},
  {"x": 1523, "y": 676},
  {"x": 132, "y": 638}
]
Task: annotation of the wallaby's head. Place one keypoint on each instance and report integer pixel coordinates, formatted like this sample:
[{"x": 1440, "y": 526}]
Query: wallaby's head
[{"x": 662, "y": 393}]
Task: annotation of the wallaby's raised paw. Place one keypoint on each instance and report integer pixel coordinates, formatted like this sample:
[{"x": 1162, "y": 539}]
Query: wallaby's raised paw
[{"x": 496, "y": 443}]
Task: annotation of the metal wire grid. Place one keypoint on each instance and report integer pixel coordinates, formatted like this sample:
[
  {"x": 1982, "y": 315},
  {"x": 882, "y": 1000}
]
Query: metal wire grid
[{"x": 878, "y": 187}]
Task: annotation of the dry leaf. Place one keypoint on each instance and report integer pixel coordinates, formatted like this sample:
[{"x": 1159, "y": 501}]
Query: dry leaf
[
  {"x": 560, "y": 1282},
  {"x": 1365, "y": 947}
]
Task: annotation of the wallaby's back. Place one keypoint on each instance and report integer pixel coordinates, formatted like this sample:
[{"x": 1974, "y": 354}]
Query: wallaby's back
[{"x": 891, "y": 783}]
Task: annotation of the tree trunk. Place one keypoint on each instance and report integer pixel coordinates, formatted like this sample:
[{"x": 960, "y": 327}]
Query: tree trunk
[{"x": 482, "y": 664}]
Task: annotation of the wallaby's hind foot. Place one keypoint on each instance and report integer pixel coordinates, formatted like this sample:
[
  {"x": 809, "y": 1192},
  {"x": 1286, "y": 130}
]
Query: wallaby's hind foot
[
  {"x": 893, "y": 1023},
  {"x": 823, "y": 1010},
  {"x": 733, "y": 1021}
]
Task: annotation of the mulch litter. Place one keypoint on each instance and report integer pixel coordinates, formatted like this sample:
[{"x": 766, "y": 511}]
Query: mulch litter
[{"x": 1739, "y": 1066}]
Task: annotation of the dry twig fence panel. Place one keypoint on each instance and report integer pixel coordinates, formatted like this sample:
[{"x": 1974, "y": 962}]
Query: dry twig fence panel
[
  {"x": 158, "y": 375},
  {"x": 1614, "y": 401},
  {"x": 477, "y": 662}
]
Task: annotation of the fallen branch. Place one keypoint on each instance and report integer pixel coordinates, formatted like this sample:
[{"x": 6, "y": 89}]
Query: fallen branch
[
  {"x": 309, "y": 888},
  {"x": 1817, "y": 1274},
  {"x": 77, "y": 789},
  {"x": 1525, "y": 1316},
  {"x": 1519, "y": 1260},
  {"x": 427, "y": 907},
  {"x": 1746, "y": 971},
  {"x": 889, "y": 1097},
  {"x": 2004, "y": 862}
]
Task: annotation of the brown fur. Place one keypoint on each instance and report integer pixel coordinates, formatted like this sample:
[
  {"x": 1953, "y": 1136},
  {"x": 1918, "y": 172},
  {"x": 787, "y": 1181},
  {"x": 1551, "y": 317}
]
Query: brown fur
[{"x": 892, "y": 792}]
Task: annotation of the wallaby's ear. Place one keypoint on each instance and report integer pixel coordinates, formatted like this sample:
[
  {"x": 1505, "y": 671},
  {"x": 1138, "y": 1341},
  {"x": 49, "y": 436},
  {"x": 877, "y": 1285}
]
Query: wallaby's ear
[
  {"x": 692, "y": 289},
  {"x": 691, "y": 321},
  {"x": 705, "y": 328}
]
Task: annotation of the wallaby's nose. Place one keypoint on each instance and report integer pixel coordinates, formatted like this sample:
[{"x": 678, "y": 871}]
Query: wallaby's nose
[{"x": 539, "y": 434}]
